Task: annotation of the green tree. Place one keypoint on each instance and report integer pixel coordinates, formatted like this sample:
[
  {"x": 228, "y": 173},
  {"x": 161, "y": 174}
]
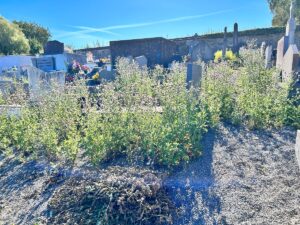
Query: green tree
[
  {"x": 35, "y": 46},
  {"x": 12, "y": 39},
  {"x": 36, "y": 34},
  {"x": 281, "y": 11}
]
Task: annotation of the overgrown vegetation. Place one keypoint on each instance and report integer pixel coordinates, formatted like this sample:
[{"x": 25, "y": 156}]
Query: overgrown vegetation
[
  {"x": 149, "y": 116},
  {"x": 247, "y": 93}
]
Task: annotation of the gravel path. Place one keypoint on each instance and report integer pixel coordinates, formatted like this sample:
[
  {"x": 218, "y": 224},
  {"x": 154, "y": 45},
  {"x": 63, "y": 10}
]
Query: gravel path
[{"x": 244, "y": 177}]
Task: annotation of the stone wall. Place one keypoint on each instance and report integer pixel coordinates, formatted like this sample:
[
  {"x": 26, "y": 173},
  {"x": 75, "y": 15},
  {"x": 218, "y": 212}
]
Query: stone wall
[
  {"x": 205, "y": 46},
  {"x": 164, "y": 51},
  {"x": 98, "y": 53},
  {"x": 156, "y": 50}
]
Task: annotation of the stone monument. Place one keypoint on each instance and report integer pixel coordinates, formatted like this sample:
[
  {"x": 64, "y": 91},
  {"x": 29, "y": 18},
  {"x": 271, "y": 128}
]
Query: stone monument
[
  {"x": 224, "y": 43},
  {"x": 194, "y": 75},
  {"x": 235, "y": 47},
  {"x": 268, "y": 57},
  {"x": 287, "y": 52}
]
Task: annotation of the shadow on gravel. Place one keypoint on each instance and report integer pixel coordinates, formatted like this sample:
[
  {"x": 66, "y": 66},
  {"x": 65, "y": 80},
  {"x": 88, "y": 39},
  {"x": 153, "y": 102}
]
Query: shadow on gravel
[{"x": 190, "y": 188}]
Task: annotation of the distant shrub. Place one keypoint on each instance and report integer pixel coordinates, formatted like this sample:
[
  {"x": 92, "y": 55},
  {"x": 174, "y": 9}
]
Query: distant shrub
[
  {"x": 229, "y": 55},
  {"x": 12, "y": 39}
]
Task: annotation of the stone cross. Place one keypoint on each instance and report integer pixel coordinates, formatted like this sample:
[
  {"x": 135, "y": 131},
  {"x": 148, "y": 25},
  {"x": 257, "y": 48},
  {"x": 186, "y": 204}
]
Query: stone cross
[
  {"x": 224, "y": 43},
  {"x": 291, "y": 25},
  {"x": 235, "y": 38},
  {"x": 292, "y": 9}
]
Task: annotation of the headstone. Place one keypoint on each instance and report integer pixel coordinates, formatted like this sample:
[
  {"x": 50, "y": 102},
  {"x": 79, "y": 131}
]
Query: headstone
[
  {"x": 268, "y": 57},
  {"x": 224, "y": 43},
  {"x": 263, "y": 49},
  {"x": 141, "y": 61},
  {"x": 291, "y": 25},
  {"x": 194, "y": 75},
  {"x": 235, "y": 38},
  {"x": 41, "y": 82},
  {"x": 282, "y": 47},
  {"x": 5, "y": 86},
  {"x": 54, "y": 48},
  {"x": 89, "y": 57},
  {"x": 297, "y": 147},
  {"x": 290, "y": 63},
  {"x": 46, "y": 64}
]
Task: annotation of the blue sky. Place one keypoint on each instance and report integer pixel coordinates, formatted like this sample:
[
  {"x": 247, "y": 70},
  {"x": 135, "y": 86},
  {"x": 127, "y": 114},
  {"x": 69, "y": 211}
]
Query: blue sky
[{"x": 81, "y": 22}]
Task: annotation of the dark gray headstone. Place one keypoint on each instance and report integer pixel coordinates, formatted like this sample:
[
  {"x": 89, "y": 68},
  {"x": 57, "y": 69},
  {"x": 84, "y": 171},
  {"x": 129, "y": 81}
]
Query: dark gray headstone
[
  {"x": 236, "y": 38},
  {"x": 194, "y": 75},
  {"x": 224, "y": 43},
  {"x": 54, "y": 48},
  {"x": 45, "y": 64},
  {"x": 141, "y": 61}
]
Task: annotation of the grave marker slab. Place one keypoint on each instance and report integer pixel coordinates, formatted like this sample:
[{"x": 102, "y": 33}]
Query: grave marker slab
[
  {"x": 54, "y": 48},
  {"x": 290, "y": 63},
  {"x": 194, "y": 75},
  {"x": 46, "y": 64},
  {"x": 141, "y": 61}
]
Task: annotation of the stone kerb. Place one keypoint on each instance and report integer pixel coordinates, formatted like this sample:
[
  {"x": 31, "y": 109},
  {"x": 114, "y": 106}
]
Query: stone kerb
[
  {"x": 297, "y": 148},
  {"x": 10, "y": 110}
]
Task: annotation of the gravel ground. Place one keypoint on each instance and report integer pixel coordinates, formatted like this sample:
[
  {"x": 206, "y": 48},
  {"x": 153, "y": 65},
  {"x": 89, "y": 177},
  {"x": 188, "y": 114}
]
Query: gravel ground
[{"x": 244, "y": 177}]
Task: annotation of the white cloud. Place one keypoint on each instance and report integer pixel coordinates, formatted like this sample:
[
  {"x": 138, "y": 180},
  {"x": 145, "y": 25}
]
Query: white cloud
[{"x": 82, "y": 30}]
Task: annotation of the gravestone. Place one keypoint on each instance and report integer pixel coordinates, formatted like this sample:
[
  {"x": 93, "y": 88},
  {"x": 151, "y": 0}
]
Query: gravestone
[
  {"x": 141, "y": 61},
  {"x": 54, "y": 48},
  {"x": 224, "y": 43},
  {"x": 235, "y": 47},
  {"x": 46, "y": 64},
  {"x": 282, "y": 47},
  {"x": 268, "y": 57},
  {"x": 194, "y": 75},
  {"x": 291, "y": 25},
  {"x": 5, "y": 86},
  {"x": 287, "y": 52},
  {"x": 263, "y": 49},
  {"x": 290, "y": 63},
  {"x": 297, "y": 148},
  {"x": 41, "y": 82}
]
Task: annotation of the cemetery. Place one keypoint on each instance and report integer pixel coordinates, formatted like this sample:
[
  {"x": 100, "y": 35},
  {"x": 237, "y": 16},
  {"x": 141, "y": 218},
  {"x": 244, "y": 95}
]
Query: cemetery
[{"x": 194, "y": 130}]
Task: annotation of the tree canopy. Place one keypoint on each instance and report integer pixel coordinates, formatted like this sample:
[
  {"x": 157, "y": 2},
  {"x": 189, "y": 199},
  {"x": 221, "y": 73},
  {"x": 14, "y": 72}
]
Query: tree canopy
[
  {"x": 281, "y": 11},
  {"x": 36, "y": 34},
  {"x": 12, "y": 39}
]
